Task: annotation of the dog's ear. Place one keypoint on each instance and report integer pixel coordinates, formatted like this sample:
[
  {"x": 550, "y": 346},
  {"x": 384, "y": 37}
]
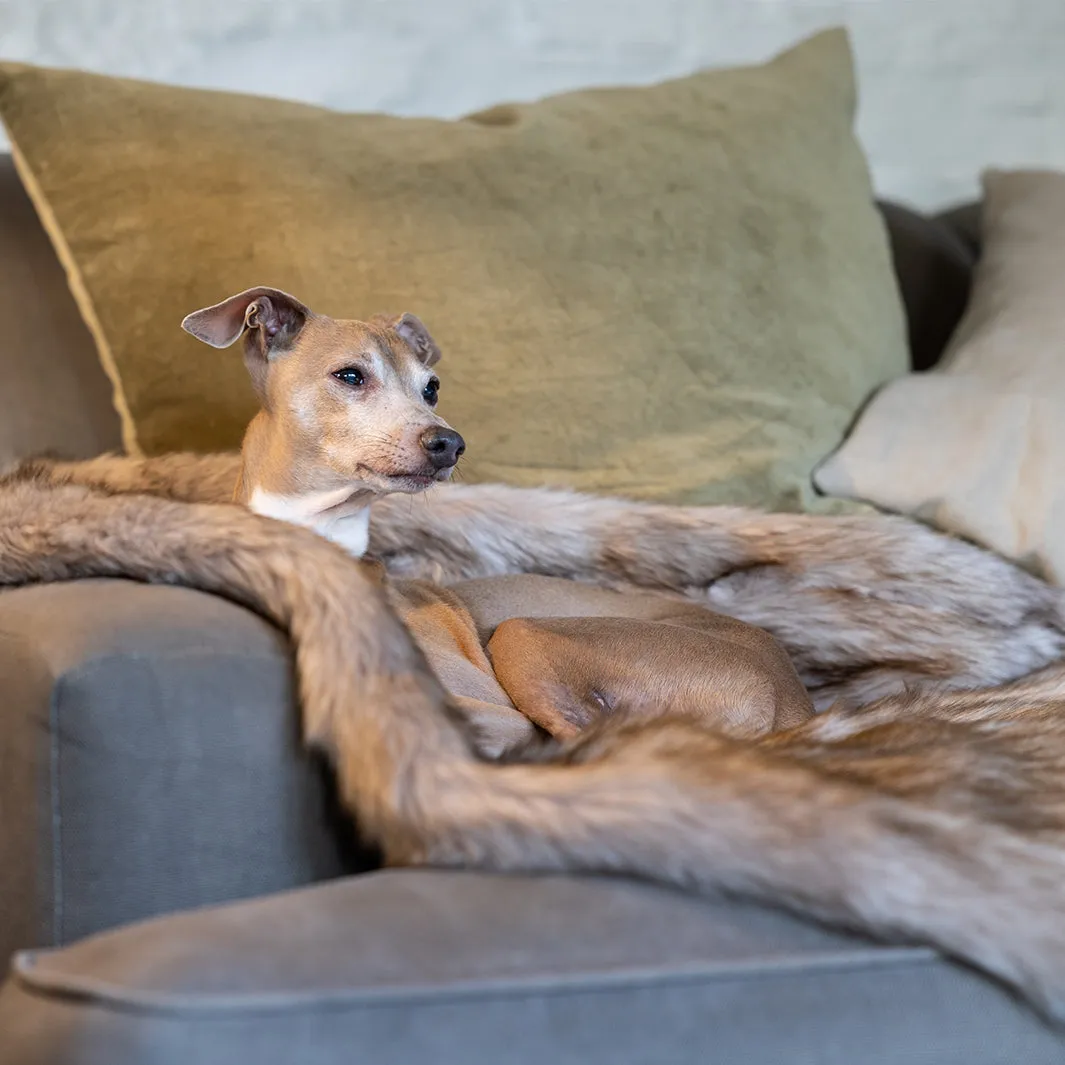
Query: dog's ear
[
  {"x": 277, "y": 316},
  {"x": 269, "y": 319},
  {"x": 412, "y": 330}
]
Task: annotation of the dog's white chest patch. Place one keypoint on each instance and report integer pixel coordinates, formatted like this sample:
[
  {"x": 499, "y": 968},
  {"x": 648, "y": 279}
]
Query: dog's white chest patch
[
  {"x": 351, "y": 531},
  {"x": 333, "y": 515}
]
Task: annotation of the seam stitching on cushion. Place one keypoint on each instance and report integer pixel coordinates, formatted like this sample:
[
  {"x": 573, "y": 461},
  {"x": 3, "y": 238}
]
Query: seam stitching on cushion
[
  {"x": 218, "y": 1005},
  {"x": 54, "y": 791},
  {"x": 78, "y": 289},
  {"x": 105, "y": 657},
  {"x": 55, "y": 916}
]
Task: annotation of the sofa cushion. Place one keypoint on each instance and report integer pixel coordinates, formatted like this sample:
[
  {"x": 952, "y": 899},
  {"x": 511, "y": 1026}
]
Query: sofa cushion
[
  {"x": 412, "y": 966},
  {"x": 680, "y": 291},
  {"x": 150, "y": 760}
]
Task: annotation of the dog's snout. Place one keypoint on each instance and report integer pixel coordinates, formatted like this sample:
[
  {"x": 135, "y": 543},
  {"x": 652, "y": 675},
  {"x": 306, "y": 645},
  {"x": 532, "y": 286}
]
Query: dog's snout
[{"x": 443, "y": 446}]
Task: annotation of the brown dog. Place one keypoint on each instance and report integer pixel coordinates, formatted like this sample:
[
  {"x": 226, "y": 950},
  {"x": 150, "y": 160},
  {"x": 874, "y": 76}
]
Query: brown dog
[{"x": 348, "y": 416}]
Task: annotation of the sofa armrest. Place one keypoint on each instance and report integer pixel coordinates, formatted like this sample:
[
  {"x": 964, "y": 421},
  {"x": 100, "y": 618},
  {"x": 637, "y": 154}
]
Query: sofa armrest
[{"x": 149, "y": 761}]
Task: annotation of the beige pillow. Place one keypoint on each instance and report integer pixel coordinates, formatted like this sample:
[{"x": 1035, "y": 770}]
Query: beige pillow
[
  {"x": 977, "y": 447},
  {"x": 678, "y": 292}
]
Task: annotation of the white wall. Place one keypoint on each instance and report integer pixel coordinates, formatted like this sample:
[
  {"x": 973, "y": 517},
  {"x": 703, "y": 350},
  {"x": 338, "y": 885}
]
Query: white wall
[{"x": 948, "y": 86}]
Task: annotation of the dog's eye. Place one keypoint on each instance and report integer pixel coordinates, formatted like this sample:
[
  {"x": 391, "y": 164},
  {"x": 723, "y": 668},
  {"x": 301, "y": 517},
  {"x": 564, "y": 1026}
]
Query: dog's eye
[
  {"x": 350, "y": 376},
  {"x": 431, "y": 392}
]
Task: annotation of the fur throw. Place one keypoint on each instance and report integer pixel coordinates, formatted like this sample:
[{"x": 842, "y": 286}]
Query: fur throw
[{"x": 923, "y": 810}]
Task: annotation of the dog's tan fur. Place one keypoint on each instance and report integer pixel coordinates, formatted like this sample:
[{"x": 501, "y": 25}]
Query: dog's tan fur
[
  {"x": 934, "y": 816},
  {"x": 567, "y": 654}
]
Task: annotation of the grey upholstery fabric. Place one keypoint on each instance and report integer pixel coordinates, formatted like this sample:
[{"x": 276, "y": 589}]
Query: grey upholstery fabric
[
  {"x": 149, "y": 761},
  {"x": 54, "y": 396},
  {"x": 467, "y": 968}
]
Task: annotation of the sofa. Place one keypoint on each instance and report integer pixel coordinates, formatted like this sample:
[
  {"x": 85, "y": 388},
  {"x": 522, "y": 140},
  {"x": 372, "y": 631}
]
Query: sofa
[{"x": 179, "y": 885}]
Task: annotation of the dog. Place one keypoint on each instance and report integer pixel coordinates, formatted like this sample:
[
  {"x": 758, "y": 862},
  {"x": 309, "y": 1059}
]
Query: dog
[
  {"x": 933, "y": 815},
  {"x": 348, "y": 416}
]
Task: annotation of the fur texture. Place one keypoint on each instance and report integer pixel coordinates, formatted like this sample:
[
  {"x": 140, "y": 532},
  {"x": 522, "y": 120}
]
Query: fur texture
[
  {"x": 864, "y": 606},
  {"x": 930, "y": 816}
]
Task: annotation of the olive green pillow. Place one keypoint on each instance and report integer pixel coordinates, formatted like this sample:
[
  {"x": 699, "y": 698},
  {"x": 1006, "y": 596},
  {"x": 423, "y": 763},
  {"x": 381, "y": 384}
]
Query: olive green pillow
[{"x": 679, "y": 292}]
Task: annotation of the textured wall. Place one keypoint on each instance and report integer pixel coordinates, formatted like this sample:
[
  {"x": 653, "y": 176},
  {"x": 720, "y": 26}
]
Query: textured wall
[{"x": 948, "y": 86}]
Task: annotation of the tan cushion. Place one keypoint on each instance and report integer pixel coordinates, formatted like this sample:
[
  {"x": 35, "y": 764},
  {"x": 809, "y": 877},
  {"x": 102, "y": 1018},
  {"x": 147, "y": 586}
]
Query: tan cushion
[
  {"x": 977, "y": 447},
  {"x": 679, "y": 292}
]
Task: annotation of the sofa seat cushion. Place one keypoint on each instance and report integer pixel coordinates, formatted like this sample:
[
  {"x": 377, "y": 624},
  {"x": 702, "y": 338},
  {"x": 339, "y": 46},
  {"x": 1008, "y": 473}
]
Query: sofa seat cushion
[{"x": 434, "y": 966}]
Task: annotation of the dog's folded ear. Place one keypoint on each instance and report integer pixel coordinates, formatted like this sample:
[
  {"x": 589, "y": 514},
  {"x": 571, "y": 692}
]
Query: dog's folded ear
[
  {"x": 412, "y": 330},
  {"x": 269, "y": 319},
  {"x": 274, "y": 315}
]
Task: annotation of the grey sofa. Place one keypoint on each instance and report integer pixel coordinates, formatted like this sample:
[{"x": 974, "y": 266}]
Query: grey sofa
[{"x": 179, "y": 887}]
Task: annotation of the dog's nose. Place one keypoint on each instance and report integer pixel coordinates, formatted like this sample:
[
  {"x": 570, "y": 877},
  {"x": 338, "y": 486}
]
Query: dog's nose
[{"x": 443, "y": 446}]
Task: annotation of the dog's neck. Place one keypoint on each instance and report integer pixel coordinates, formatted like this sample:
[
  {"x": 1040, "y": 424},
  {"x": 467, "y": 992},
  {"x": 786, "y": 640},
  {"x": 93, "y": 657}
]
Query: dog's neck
[
  {"x": 337, "y": 515},
  {"x": 276, "y": 481}
]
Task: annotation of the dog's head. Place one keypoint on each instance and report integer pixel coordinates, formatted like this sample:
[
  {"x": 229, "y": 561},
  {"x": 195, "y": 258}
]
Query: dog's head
[{"x": 344, "y": 402}]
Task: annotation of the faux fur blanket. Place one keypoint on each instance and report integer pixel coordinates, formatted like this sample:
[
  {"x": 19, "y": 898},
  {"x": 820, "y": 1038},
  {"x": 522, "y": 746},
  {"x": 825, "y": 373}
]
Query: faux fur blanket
[{"x": 922, "y": 810}]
